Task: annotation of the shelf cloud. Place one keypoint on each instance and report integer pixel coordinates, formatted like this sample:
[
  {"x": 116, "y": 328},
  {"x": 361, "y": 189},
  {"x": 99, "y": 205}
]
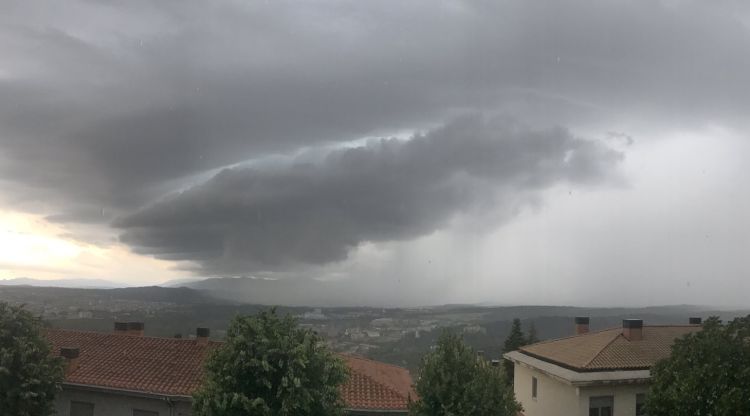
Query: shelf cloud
[{"x": 315, "y": 211}]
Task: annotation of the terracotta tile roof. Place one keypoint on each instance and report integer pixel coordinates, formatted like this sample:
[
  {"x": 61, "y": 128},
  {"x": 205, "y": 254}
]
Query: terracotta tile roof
[
  {"x": 376, "y": 385},
  {"x": 167, "y": 366},
  {"x": 173, "y": 366},
  {"x": 609, "y": 349}
]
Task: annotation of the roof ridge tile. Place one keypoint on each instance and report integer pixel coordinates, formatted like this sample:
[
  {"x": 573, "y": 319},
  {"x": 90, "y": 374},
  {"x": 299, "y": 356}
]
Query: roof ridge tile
[{"x": 601, "y": 350}]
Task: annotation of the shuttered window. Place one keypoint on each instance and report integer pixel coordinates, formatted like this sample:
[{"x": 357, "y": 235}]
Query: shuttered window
[
  {"x": 139, "y": 412},
  {"x": 81, "y": 409},
  {"x": 601, "y": 406}
]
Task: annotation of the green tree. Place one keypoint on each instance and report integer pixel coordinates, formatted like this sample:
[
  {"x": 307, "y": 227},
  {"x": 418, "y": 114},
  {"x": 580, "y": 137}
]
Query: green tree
[
  {"x": 515, "y": 340},
  {"x": 29, "y": 375},
  {"x": 708, "y": 373},
  {"x": 268, "y": 366},
  {"x": 532, "y": 337},
  {"x": 453, "y": 381}
]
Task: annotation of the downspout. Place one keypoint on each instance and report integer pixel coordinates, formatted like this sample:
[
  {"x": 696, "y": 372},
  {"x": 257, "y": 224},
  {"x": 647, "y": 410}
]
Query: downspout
[{"x": 170, "y": 404}]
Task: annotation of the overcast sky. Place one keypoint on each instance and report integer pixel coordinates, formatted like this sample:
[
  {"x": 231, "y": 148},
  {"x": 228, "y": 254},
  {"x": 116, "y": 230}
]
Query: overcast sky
[{"x": 419, "y": 152}]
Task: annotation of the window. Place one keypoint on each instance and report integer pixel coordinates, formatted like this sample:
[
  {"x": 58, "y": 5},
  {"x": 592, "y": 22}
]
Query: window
[
  {"x": 138, "y": 412},
  {"x": 601, "y": 406},
  {"x": 533, "y": 387},
  {"x": 640, "y": 404},
  {"x": 81, "y": 409}
]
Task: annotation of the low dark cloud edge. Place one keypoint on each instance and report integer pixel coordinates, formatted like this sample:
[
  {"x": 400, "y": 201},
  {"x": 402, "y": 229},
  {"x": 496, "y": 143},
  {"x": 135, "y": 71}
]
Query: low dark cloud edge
[{"x": 315, "y": 211}]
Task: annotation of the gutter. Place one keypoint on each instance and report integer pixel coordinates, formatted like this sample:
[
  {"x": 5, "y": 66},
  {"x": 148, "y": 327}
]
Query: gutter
[
  {"x": 579, "y": 378},
  {"x": 169, "y": 398}
]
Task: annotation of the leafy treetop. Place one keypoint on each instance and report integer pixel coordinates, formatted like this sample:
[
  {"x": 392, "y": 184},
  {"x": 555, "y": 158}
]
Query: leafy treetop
[
  {"x": 453, "y": 381},
  {"x": 708, "y": 373},
  {"x": 29, "y": 375},
  {"x": 269, "y": 366}
]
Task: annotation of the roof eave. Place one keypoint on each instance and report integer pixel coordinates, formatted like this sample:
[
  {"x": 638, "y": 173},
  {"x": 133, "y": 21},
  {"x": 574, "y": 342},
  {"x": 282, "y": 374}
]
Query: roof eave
[
  {"x": 581, "y": 369},
  {"x": 126, "y": 392},
  {"x": 579, "y": 378},
  {"x": 184, "y": 398}
]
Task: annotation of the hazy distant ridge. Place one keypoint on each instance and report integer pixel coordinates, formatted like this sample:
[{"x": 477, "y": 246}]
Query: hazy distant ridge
[{"x": 64, "y": 283}]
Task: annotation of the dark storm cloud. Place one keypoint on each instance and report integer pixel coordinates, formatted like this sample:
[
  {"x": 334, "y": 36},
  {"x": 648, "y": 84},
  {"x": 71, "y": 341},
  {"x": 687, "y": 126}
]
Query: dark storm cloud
[
  {"x": 315, "y": 211},
  {"x": 116, "y": 104}
]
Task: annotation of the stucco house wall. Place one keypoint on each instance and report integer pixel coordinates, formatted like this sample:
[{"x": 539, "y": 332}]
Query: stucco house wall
[
  {"x": 624, "y": 396},
  {"x": 553, "y": 396},
  {"x": 117, "y": 404},
  {"x": 557, "y": 398},
  {"x": 111, "y": 403}
]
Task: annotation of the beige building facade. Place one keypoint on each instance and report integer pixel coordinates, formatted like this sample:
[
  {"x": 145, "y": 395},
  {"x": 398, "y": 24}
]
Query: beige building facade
[
  {"x": 604, "y": 373},
  {"x": 556, "y": 395}
]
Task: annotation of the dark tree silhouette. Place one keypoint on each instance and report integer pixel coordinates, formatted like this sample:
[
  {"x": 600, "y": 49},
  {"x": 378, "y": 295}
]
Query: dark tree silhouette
[{"x": 29, "y": 376}]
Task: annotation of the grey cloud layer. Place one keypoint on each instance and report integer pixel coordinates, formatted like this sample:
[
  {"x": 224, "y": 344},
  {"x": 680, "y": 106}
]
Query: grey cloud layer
[
  {"x": 115, "y": 104},
  {"x": 107, "y": 107},
  {"x": 310, "y": 211}
]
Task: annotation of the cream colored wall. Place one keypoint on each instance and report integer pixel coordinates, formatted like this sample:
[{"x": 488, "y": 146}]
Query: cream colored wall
[
  {"x": 624, "y": 396},
  {"x": 553, "y": 397},
  {"x": 107, "y": 404},
  {"x": 117, "y": 405},
  {"x": 557, "y": 398}
]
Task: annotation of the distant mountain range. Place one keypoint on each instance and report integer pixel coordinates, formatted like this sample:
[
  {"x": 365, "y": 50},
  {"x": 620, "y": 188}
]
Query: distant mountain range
[
  {"x": 65, "y": 283},
  {"x": 181, "y": 282},
  {"x": 303, "y": 293},
  {"x": 289, "y": 292},
  {"x": 245, "y": 289},
  {"x": 315, "y": 293},
  {"x": 52, "y": 294}
]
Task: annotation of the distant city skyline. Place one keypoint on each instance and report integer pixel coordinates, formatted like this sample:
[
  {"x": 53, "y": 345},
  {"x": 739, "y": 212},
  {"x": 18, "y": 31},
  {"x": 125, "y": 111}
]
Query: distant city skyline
[{"x": 505, "y": 152}]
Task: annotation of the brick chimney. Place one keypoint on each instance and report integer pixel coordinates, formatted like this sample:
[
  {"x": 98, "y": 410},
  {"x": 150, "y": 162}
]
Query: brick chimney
[
  {"x": 202, "y": 335},
  {"x": 135, "y": 328},
  {"x": 121, "y": 328},
  {"x": 582, "y": 324},
  {"x": 695, "y": 321},
  {"x": 632, "y": 329},
  {"x": 71, "y": 356}
]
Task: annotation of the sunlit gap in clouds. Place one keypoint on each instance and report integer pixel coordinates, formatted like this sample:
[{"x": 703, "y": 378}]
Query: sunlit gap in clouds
[
  {"x": 28, "y": 241},
  {"x": 31, "y": 246}
]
